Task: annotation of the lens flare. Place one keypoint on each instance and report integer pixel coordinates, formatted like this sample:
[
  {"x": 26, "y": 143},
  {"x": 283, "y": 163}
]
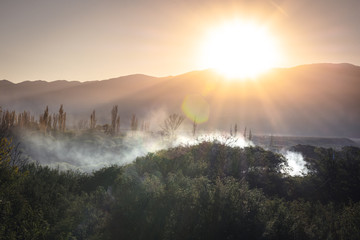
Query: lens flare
[{"x": 196, "y": 108}]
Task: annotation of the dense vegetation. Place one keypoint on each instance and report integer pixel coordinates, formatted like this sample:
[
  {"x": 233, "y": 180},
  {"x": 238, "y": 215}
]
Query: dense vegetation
[{"x": 206, "y": 191}]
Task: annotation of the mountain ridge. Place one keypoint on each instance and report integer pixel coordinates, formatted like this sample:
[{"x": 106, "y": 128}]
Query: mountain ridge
[
  {"x": 314, "y": 99},
  {"x": 348, "y": 65}
]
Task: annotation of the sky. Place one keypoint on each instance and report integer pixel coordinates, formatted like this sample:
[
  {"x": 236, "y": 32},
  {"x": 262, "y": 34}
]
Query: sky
[{"x": 86, "y": 40}]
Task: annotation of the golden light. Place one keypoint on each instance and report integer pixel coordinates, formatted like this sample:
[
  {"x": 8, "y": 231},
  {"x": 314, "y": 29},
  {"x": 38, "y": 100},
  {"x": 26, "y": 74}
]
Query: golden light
[
  {"x": 196, "y": 108},
  {"x": 239, "y": 50}
]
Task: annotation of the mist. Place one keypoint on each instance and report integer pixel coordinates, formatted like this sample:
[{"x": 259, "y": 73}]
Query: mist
[
  {"x": 85, "y": 152},
  {"x": 90, "y": 151},
  {"x": 296, "y": 165}
]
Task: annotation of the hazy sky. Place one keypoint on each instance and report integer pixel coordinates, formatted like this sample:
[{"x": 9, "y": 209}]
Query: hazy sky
[{"x": 99, "y": 39}]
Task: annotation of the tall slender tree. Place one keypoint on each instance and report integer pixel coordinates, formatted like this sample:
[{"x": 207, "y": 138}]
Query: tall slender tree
[
  {"x": 62, "y": 119},
  {"x": 93, "y": 120},
  {"x": 118, "y": 125},
  {"x": 134, "y": 123},
  {"x": 194, "y": 127},
  {"x": 44, "y": 119},
  {"x": 114, "y": 118}
]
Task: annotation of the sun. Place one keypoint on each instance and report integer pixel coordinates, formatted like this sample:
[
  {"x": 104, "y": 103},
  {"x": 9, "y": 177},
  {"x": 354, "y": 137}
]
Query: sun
[{"x": 239, "y": 50}]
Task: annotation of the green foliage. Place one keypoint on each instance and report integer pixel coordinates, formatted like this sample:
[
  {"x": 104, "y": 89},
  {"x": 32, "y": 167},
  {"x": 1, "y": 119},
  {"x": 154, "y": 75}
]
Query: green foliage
[
  {"x": 334, "y": 175},
  {"x": 211, "y": 191},
  {"x": 206, "y": 191},
  {"x": 18, "y": 220},
  {"x": 104, "y": 178}
]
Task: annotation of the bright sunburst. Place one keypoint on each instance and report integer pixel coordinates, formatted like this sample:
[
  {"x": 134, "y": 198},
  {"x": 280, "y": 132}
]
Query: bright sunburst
[{"x": 239, "y": 50}]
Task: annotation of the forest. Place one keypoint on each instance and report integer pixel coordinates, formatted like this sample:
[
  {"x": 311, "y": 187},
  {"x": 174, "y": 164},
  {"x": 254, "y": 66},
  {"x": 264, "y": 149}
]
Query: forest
[{"x": 209, "y": 190}]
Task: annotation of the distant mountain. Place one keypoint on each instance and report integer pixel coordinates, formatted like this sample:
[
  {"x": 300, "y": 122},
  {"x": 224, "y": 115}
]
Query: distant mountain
[{"x": 307, "y": 100}]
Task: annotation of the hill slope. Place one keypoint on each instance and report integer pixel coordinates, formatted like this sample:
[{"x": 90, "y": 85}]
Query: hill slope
[{"x": 307, "y": 100}]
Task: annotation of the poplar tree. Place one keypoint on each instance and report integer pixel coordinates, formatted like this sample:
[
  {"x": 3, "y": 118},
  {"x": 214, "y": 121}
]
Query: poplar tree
[
  {"x": 194, "y": 126},
  {"x": 134, "y": 123},
  {"x": 114, "y": 119},
  {"x": 62, "y": 119},
  {"x": 93, "y": 120},
  {"x": 44, "y": 119}
]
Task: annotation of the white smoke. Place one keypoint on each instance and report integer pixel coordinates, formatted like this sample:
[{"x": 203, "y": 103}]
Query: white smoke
[
  {"x": 88, "y": 152},
  {"x": 85, "y": 153},
  {"x": 296, "y": 163},
  {"x": 91, "y": 151}
]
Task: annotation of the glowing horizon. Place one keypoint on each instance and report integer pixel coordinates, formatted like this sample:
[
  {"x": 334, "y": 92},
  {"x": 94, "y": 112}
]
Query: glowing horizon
[{"x": 95, "y": 40}]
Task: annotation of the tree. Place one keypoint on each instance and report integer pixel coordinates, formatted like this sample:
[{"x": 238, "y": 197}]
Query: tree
[
  {"x": 250, "y": 135},
  {"x": 44, "y": 120},
  {"x": 114, "y": 120},
  {"x": 134, "y": 123},
  {"x": 18, "y": 220},
  {"x": 172, "y": 123},
  {"x": 24, "y": 119},
  {"x": 194, "y": 126},
  {"x": 55, "y": 122},
  {"x": 145, "y": 126},
  {"x": 62, "y": 119},
  {"x": 118, "y": 125},
  {"x": 93, "y": 120}
]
